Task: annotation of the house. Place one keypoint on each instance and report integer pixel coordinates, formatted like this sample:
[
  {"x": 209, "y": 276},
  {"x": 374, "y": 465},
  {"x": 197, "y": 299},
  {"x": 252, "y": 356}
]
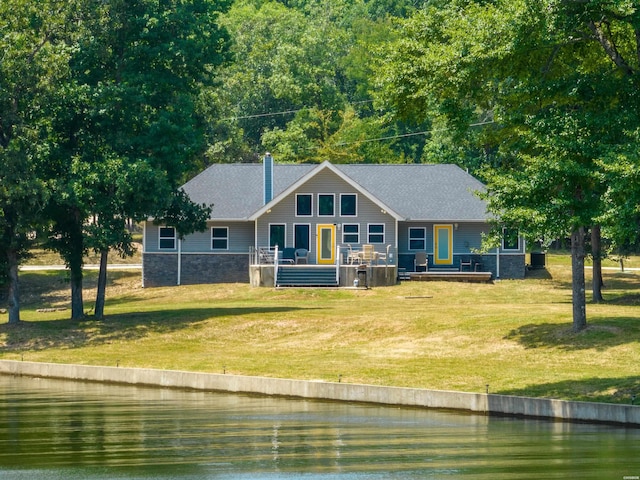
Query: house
[{"x": 337, "y": 216}]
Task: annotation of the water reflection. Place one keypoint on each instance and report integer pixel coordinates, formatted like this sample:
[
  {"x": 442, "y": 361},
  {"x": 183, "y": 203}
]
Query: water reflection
[{"x": 55, "y": 429}]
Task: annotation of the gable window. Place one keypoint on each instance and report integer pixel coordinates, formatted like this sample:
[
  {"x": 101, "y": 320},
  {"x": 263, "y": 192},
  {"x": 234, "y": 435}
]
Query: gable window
[
  {"x": 326, "y": 205},
  {"x": 219, "y": 238},
  {"x": 276, "y": 235},
  {"x": 348, "y": 203},
  {"x": 350, "y": 233},
  {"x": 301, "y": 235},
  {"x": 417, "y": 238},
  {"x": 375, "y": 233},
  {"x": 510, "y": 239},
  {"x": 303, "y": 205},
  {"x": 167, "y": 238}
]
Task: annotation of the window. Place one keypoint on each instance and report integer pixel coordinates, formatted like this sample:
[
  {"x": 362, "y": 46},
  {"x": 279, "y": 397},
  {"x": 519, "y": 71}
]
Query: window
[
  {"x": 417, "y": 238},
  {"x": 326, "y": 207},
  {"x": 348, "y": 202},
  {"x": 350, "y": 233},
  {"x": 376, "y": 233},
  {"x": 219, "y": 238},
  {"x": 303, "y": 205},
  {"x": 167, "y": 236},
  {"x": 510, "y": 239},
  {"x": 301, "y": 236},
  {"x": 276, "y": 235}
]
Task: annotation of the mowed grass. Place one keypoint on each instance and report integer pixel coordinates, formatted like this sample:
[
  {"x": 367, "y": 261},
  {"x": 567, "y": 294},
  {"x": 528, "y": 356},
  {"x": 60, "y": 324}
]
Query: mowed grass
[{"x": 513, "y": 336}]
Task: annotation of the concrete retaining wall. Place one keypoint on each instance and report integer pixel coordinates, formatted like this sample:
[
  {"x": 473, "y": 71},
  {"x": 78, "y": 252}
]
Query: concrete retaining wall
[{"x": 472, "y": 402}]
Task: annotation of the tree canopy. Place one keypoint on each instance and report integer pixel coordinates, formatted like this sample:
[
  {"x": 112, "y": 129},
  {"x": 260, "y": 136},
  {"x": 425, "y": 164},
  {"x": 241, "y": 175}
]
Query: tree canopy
[{"x": 559, "y": 83}]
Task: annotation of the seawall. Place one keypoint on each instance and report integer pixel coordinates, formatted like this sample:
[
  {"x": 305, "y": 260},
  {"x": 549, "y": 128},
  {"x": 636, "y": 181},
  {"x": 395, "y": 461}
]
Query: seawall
[{"x": 481, "y": 403}]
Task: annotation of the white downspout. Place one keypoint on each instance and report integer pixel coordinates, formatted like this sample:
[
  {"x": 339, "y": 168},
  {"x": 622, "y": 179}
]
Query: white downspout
[
  {"x": 179, "y": 261},
  {"x": 498, "y": 263},
  {"x": 144, "y": 247}
]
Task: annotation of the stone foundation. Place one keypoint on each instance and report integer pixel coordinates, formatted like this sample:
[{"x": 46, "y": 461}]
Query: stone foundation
[{"x": 162, "y": 269}]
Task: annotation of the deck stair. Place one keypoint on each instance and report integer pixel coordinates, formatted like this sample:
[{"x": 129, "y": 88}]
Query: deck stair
[{"x": 306, "y": 276}]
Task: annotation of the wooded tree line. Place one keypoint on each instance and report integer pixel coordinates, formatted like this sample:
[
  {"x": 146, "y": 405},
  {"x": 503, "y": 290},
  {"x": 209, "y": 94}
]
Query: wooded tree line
[{"x": 107, "y": 106}]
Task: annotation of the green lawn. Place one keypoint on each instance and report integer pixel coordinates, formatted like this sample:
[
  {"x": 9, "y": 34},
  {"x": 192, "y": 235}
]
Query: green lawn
[{"x": 514, "y": 336}]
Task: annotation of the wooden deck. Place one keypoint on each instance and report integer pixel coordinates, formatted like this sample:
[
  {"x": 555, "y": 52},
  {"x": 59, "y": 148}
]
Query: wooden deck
[{"x": 448, "y": 276}]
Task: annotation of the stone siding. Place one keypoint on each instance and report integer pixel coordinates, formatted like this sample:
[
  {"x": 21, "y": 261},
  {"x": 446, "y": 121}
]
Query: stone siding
[
  {"x": 512, "y": 266},
  {"x": 161, "y": 270}
]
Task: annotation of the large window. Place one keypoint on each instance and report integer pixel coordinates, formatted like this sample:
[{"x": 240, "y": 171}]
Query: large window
[
  {"x": 417, "y": 238},
  {"x": 219, "y": 238},
  {"x": 375, "y": 233},
  {"x": 326, "y": 205},
  {"x": 348, "y": 204},
  {"x": 510, "y": 239},
  {"x": 350, "y": 233},
  {"x": 277, "y": 235},
  {"x": 304, "y": 206},
  {"x": 301, "y": 235},
  {"x": 167, "y": 238}
]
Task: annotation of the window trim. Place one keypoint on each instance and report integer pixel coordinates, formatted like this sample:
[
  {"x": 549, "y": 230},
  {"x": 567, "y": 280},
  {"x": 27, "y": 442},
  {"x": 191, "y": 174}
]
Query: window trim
[
  {"x": 504, "y": 238},
  {"x": 333, "y": 196},
  {"x": 344, "y": 240},
  {"x": 308, "y": 225},
  {"x": 423, "y": 238},
  {"x": 284, "y": 237},
  {"x": 226, "y": 238},
  {"x": 310, "y": 195},
  {"x": 174, "y": 237},
  {"x": 370, "y": 234},
  {"x": 355, "y": 195}
]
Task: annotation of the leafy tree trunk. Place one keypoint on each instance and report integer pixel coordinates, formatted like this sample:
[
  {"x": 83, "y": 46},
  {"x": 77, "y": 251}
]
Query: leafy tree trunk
[
  {"x": 14, "y": 287},
  {"x": 578, "y": 281},
  {"x": 596, "y": 251},
  {"x": 102, "y": 285}
]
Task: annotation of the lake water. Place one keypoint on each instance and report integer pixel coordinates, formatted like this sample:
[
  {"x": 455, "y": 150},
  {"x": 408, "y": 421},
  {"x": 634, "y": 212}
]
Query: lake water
[{"x": 64, "y": 430}]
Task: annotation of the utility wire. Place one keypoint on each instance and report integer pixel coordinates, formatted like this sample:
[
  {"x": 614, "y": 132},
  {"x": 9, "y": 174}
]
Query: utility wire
[
  {"x": 413, "y": 134},
  {"x": 285, "y": 112}
]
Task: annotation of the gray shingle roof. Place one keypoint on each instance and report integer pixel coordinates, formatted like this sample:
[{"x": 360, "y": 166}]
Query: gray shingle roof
[{"x": 414, "y": 191}]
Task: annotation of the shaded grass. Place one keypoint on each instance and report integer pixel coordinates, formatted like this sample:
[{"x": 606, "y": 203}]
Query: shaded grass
[{"x": 514, "y": 336}]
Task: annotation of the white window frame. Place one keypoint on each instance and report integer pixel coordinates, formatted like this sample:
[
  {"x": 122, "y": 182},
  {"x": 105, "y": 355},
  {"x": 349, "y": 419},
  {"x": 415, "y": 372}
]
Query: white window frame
[
  {"x": 174, "y": 237},
  {"x": 355, "y": 195},
  {"x": 423, "y": 238},
  {"x": 310, "y": 195},
  {"x": 285, "y": 234},
  {"x": 369, "y": 233},
  {"x": 334, "y": 204},
  {"x": 308, "y": 225},
  {"x": 504, "y": 237},
  {"x": 344, "y": 233},
  {"x": 226, "y": 238}
]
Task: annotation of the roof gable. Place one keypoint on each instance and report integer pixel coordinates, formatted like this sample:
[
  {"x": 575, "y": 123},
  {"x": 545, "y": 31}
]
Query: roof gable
[{"x": 410, "y": 192}]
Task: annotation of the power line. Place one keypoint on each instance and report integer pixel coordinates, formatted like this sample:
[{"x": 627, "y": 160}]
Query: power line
[
  {"x": 413, "y": 134},
  {"x": 284, "y": 112}
]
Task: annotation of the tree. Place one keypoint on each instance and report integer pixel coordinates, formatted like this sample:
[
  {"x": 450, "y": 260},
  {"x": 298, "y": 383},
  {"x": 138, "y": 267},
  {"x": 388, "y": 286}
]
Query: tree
[
  {"x": 129, "y": 122},
  {"x": 32, "y": 67},
  {"x": 558, "y": 79}
]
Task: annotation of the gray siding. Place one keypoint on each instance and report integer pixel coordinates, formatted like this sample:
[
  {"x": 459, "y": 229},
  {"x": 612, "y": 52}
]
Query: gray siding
[
  {"x": 328, "y": 183},
  {"x": 241, "y": 238},
  {"x": 466, "y": 238}
]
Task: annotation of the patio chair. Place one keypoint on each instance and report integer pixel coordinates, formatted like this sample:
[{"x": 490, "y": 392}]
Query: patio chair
[
  {"x": 288, "y": 255},
  {"x": 421, "y": 260},
  {"x": 368, "y": 254},
  {"x": 466, "y": 262},
  {"x": 352, "y": 256},
  {"x": 301, "y": 255}
]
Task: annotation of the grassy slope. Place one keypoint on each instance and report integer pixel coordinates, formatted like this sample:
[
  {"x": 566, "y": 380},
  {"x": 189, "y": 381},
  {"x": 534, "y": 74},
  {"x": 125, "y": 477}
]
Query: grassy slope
[{"x": 514, "y": 336}]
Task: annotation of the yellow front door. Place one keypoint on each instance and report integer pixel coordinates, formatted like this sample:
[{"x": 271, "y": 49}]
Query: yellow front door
[
  {"x": 443, "y": 244},
  {"x": 326, "y": 244}
]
